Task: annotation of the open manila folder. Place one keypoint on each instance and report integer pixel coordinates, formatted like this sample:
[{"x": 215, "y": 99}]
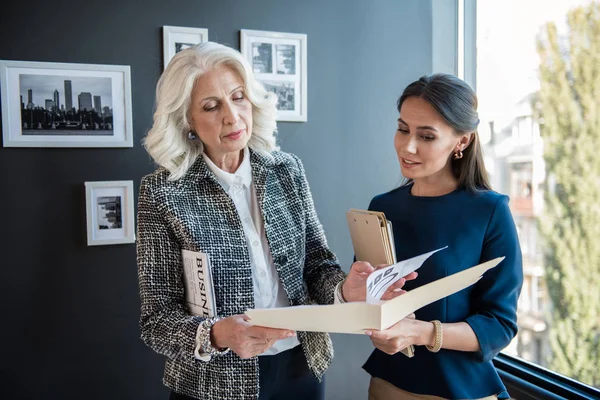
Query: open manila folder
[{"x": 356, "y": 317}]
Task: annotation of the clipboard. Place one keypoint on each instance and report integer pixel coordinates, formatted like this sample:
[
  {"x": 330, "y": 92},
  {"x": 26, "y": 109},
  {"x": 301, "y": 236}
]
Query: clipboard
[
  {"x": 372, "y": 237},
  {"x": 373, "y": 241}
]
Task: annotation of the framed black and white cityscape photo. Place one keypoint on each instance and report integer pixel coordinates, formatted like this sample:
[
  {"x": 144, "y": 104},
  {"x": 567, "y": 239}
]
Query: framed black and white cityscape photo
[
  {"x": 65, "y": 105},
  {"x": 177, "y": 38},
  {"x": 279, "y": 62},
  {"x": 109, "y": 212}
]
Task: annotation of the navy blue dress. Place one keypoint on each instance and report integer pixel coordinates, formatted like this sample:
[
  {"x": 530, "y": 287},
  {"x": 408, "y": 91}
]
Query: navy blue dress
[{"x": 476, "y": 227}]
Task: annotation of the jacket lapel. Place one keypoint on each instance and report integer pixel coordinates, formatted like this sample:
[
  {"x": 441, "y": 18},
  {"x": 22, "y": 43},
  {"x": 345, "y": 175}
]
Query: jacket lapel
[
  {"x": 268, "y": 194},
  {"x": 261, "y": 173},
  {"x": 198, "y": 172}
]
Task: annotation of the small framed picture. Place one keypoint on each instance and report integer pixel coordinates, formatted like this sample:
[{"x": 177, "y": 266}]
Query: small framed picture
[
  {"x": 177, "y": 38},
  {"x": 65, "y": 105},
  {"x": 109, "y": 212},
  {"x": 279, "y": 63}
]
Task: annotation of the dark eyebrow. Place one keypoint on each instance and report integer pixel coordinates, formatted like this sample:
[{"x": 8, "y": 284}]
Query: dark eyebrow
[{"x": 427, "y": 127}]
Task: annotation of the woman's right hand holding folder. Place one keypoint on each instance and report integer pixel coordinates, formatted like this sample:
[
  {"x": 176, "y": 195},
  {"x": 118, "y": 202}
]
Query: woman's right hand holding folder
[{"x": 354, "y": 287}]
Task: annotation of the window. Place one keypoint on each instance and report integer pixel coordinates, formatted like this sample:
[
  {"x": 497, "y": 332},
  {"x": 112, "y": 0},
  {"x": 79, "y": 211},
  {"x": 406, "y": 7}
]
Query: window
[{"x": 537, "y": 80}]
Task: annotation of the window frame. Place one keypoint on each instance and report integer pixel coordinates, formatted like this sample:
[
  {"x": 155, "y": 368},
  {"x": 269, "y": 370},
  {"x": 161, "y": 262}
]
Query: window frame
[{"x": 526, "y": 380}]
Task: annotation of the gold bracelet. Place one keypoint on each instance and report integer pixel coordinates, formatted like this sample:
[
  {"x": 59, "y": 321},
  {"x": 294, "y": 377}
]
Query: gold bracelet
[{"x": 437, "y": 330}]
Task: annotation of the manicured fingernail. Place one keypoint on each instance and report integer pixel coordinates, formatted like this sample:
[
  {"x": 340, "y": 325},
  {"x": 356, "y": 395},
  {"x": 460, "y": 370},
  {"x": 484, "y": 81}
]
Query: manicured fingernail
[{"x": 368, "y": 333}]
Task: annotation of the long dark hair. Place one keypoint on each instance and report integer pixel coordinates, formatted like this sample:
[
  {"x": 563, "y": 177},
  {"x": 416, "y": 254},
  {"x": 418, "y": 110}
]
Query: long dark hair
[{"x": 456, "y": 103}]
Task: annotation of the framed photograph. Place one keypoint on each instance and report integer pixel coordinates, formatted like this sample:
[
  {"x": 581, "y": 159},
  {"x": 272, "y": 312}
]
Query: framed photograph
[
  {"x": 279, "y": 63},
  {"x": 65, "y": 105},
  {"x": 109, "y": 212},
  {"x": 177, "y": 38}
]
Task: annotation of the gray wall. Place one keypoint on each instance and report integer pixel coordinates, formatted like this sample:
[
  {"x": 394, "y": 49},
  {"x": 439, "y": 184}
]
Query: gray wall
[{"x": 70, "y": 312}]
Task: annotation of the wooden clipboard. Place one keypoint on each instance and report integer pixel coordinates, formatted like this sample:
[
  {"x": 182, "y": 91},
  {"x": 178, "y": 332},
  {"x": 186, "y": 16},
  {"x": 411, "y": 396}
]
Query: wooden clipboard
[{"x": 372, "y": 237}]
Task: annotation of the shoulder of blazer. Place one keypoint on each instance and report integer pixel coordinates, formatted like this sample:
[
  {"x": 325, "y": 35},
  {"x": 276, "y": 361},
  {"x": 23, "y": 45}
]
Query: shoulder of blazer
[
  {"x": 276, "y": 160},
  {"x": 155, "y": 177},
  {"x": 282, "y": 158}
]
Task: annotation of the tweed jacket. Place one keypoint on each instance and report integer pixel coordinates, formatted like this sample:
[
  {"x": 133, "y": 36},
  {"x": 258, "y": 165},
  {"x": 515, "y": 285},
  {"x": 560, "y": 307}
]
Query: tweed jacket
[{"x": 195, "y": 213}]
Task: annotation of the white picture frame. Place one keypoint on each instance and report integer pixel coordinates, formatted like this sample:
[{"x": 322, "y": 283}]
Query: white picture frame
[
  {"x": 46, "y": 104},
  {"x": 278, "y": 60},
  {"x": 109, "y": 212},
  {"x": 176, "y": 38}
]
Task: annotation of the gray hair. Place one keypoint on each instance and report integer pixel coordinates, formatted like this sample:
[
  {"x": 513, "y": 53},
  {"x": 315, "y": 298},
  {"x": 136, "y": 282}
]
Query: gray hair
[{"x": 167, "y": 141}]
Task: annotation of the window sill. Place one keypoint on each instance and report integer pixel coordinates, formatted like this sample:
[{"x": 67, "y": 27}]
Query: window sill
[{"x": 525, "y": 381}]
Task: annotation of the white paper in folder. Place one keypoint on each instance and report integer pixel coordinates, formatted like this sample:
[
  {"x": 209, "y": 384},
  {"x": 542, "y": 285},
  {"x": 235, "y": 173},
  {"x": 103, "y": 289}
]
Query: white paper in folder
[
  {"x": 379, "y": 281},
  {"x": 356, "y": 317}
]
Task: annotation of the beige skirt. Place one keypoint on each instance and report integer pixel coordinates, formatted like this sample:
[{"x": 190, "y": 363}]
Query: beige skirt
[{"x": 380, "y": 389}]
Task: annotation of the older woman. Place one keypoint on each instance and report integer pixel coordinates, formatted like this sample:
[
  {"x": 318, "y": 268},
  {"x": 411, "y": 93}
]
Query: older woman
[{"x": 223, "y": 188}]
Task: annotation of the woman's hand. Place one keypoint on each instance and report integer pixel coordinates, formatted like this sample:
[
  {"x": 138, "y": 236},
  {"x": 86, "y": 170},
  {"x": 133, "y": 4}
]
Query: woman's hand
[
  {"x": 243, "y": 338},
  {"x": 405, "y": 332},
  {"x": 355, "y": 285}
]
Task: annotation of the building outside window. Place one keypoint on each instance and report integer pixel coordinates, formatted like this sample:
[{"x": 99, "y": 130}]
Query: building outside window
[{"x": 538, "y": 83}]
